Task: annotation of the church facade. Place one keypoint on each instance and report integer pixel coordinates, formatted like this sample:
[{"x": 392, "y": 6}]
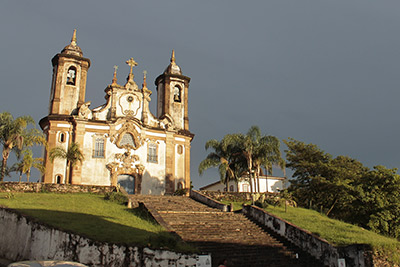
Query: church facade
[{"x": 122, "y": 141}]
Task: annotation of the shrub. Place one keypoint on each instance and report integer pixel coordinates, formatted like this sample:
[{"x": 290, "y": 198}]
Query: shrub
[
  {"x": 181, "y": 192},
  {"x": 116, "y": 197}
]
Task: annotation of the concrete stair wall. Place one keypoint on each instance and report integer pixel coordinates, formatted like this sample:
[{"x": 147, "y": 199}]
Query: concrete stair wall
[{"x": 226, "y": 235}]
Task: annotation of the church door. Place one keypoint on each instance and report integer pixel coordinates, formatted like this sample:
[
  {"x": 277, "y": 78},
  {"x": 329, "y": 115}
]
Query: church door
[{"x": 127, "y": 182}]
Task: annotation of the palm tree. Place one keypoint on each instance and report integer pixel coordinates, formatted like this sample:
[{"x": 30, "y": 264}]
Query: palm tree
[
  {"x": 73, "y": 155},
  {"x": 26, "y": 164},
  {"x": 267, "y": 154},
  {"x": 13, "y": 134},
  {"x": 259, "y": 151},
  {"x": 223, "y": 157}
]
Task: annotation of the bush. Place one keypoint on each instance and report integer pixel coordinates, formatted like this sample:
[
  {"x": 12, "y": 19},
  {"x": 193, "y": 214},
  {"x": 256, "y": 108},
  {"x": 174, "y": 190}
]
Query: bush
[
  {"x": 261, "y": 204},
  {"x": 116, "y": 197},
  {"x": 181, "y": 192}
]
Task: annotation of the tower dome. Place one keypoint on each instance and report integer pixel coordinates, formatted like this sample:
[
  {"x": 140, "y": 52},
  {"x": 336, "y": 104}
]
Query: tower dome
[
  {"x": 72, "y": 48},
  {"x": 173, "y": 68}
]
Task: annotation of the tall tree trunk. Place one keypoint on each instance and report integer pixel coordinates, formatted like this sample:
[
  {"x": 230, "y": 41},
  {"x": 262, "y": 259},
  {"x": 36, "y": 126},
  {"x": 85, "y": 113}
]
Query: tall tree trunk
[
  {"x": 28, "y": 174},
  {"x": 333, "y": 205},
  {"x": 67, "y": 173},
  {"x": 6, "y": 154},
  {"x": 258, "y": 178},
  {"x": 20, "y": 176}
]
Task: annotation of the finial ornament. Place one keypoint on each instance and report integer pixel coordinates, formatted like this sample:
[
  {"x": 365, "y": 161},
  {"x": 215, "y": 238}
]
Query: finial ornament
[
  {"x": 73, "y": 40},
  {"x": 114, "y": 81},
  {"x": 144, "y": 79},
  {"x": 131, "y": 63},
  {"x": 173, "y": 57}
]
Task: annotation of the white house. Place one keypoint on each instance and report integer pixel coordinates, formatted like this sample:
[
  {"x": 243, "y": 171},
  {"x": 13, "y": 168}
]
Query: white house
[{"x": 271, "y": 184}]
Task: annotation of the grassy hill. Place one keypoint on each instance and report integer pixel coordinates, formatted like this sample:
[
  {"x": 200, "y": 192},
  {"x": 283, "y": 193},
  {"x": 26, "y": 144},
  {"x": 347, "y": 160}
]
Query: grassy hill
[
  {"x": 94, "y": 217},
  {"x": 334, "y": 231}
]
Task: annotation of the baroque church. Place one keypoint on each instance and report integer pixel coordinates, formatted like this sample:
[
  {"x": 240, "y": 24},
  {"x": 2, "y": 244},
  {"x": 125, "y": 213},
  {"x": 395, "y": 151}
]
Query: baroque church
[{"x": 122, "y": 142}]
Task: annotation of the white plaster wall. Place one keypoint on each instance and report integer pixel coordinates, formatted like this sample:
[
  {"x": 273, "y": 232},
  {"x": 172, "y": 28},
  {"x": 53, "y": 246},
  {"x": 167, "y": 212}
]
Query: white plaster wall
[
  {"x": 122, "y": 105},
  {"x": 60, "y": 165},
  {"x": 23, "y": 239},
  {"x": 94, "y": 171},
  {"x": 153, "y": 179}
]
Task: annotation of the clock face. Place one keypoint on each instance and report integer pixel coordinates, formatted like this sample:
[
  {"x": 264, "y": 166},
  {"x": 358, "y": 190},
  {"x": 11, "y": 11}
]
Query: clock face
[{"x": 129, "y": 104}]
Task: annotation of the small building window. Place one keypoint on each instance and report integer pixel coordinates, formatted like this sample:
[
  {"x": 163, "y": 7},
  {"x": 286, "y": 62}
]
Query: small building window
[
  {"x": 61, "y": 138},
  {"x": 180, "y": 185},
  {"x": 177, "y": 94},
  {"x": 152, "y": 153},
  {"x": 71, "y": 76},
  {"x": 246, "y": 188},
  {"x": 98, "y": 151},
  {"x": 231, "y": 188},
  {"x": 58, "y": 179}
]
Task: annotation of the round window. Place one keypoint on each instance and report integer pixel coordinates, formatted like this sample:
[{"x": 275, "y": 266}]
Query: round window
[{"x": 180, "y": 149}]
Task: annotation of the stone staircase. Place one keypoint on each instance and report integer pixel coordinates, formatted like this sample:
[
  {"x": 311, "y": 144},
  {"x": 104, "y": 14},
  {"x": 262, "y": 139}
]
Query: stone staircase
[{"x": 226, "y": 235}]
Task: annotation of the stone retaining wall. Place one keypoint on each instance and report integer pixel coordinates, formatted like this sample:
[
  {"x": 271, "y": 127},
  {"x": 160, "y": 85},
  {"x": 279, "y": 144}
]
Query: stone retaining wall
[
  {"x": 233, "y": 196},
  {"x": 354, "y": 255},
  {"x": 24, "y": 239},
  {"x": 196, "y": 195},
  {"x": 56, "y": 188}
]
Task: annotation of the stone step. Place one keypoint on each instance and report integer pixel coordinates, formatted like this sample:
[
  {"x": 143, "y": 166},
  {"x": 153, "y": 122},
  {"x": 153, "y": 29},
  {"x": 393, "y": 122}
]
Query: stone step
[{"x": 225, "y": 235}]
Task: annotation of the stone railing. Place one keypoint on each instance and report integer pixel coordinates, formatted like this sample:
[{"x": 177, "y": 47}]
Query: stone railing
[
  {"x": 196, "y": 195},
  {"x": 54, "y": 188},
  {"x": 25, "y": 239},
  {"x": 354, "y": 255},
  {"x": 234, "y": 196}
]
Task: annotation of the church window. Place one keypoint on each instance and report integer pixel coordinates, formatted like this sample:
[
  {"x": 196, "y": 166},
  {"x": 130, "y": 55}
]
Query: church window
[
  {"x": 180, "y": 185},
  {"x": 61, "y": 137},
  {"x": 177, "y": 94},
  {"x": 180, "y": 149},
  {"x": 98, "y": 151},
  {"x": 127, "y": 139},
  {"x": 71, "y": 76},
  {"x": 246, "y": 188},
  {"x": 152, "y": 153}
]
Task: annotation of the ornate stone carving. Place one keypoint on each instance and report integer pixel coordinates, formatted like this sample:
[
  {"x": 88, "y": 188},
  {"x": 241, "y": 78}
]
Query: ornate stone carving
[
  {"x": 84, "y": 111},
  {"x": 125, "y": 163},
  {"x": 118, "y": 138},
  {"x": 129, "y": 104}
]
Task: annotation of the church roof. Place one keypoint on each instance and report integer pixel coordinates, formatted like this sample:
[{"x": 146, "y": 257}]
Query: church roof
[
  {"x": 72, "y": 48},
  {"x": 173, "y": 68}
]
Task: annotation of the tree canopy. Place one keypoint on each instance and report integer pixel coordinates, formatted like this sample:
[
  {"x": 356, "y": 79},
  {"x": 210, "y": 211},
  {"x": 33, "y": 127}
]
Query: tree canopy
[
  {"x": 14, "y": 135},
  {"x": 344, "y": 188},
  {"x": 72, "y": 155},
  {"x": 243, "y": 156}
]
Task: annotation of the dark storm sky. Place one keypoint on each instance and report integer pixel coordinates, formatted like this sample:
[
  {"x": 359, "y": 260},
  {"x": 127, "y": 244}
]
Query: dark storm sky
[{"x": 319, "y": 71}]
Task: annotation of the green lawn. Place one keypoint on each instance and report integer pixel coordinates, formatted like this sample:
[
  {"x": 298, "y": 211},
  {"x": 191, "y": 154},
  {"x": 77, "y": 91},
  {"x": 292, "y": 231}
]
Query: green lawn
[
  {"x": 334, "y": 231},
  {"x": 91, "y": 216}
]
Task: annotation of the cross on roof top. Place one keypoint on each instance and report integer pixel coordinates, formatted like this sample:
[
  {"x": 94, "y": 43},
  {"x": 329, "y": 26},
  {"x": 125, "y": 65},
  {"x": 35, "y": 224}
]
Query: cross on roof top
[{"x": 131, "y": 63}]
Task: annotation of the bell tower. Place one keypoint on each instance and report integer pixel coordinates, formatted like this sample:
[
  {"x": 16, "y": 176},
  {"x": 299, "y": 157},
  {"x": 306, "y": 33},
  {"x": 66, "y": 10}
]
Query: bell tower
[
  {"x": 172, "y": 95},
  {"x": 68, "y": 85}
]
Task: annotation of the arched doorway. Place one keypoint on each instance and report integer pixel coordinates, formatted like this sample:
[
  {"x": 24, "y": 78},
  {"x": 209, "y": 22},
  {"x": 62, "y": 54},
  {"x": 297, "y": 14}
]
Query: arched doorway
[{"x": 127, "y": 182}]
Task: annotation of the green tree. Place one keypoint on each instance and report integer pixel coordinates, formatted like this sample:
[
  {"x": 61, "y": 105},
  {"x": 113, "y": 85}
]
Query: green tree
[
  {"x": 72, "y": 155},
  {"x": 377, "y": 204},
  {"x": 224, "y": 158},
  {"x": 259, "y": 151},
  {"x": 13, "y": 134},
  {"x": 320, "y": 180},
  {"x": 27, "y": 162}
]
